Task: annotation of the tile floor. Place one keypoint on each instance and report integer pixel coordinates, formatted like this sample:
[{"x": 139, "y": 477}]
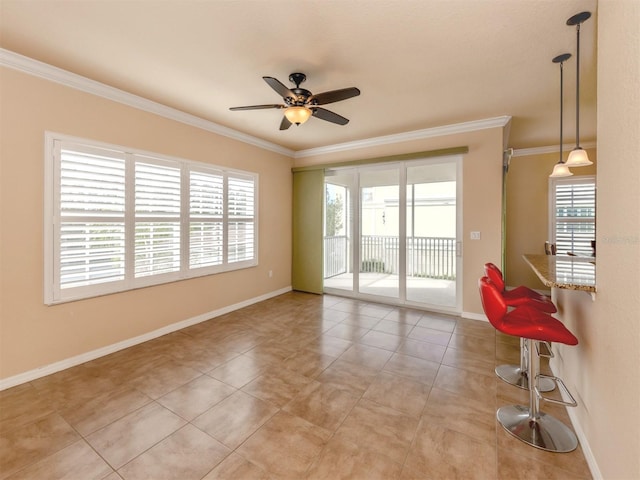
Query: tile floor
[{"x": 297, "y": 387}]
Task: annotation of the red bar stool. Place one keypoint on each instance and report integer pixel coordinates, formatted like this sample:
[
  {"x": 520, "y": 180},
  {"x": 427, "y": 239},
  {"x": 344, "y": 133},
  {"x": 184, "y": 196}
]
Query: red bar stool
[
  {"x": 517, "y": 374},
  {"x": 528, "y": 423}
]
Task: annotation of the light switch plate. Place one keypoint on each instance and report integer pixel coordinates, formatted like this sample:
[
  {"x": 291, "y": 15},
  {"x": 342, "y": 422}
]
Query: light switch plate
[{"x": 475, "y": 235}]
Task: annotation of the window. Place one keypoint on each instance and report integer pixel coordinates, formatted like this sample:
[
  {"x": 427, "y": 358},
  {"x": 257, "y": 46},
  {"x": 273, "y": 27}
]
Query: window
[
  {"x": 118, "y": 219},
  {"x": 573, "y": 214}
]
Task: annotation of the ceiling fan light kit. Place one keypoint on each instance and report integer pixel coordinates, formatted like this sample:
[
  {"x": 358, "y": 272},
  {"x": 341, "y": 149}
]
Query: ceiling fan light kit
[
  {"x": 297, "y": 115},
  {"x": 300, "y": 104}
]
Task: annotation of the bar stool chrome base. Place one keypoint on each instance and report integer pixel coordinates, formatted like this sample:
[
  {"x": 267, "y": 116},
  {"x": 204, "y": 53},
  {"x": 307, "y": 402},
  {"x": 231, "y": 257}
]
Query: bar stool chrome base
[
  {"x": 515, "y": 375},
  {"x": 544, "y": 432}
]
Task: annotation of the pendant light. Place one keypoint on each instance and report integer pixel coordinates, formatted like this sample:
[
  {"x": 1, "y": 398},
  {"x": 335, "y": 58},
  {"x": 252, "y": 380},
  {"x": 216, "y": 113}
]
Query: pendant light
[
  {"x": 578, "y": 157},
  {"x": 561, "y": 169}
]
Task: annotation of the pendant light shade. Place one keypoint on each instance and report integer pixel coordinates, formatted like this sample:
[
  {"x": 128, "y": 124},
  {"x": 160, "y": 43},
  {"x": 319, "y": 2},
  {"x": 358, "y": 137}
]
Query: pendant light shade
[
  {"x": 561, "y": 169},
  {"x": 578, "y": 157},
  {"x": 297, "y": 115}
]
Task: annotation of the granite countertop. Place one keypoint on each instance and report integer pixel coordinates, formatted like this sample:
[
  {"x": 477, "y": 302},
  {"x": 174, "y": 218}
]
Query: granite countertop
[{"x": 560, "y": 271}]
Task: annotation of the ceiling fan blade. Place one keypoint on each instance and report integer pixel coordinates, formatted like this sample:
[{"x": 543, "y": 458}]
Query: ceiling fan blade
[
  {"x": 283, "y": 91},
  {"x": 257, "y": 107},
  {"x": 334, "y": 96},
  {"x": 329, "y": 116},
  {"x": 285, "y": 123}
]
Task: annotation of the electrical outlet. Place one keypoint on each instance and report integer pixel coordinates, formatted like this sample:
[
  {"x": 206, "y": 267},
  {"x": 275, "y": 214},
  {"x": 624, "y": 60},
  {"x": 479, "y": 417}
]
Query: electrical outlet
[
  {"x": 475, "y": 235},
  {"x": 270, "y": 273}
]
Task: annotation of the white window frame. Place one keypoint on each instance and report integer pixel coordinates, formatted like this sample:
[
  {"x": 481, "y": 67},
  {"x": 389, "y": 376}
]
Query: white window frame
[
  {"x": 553, "y": 182},
  {"x": 54, "y": 293}
]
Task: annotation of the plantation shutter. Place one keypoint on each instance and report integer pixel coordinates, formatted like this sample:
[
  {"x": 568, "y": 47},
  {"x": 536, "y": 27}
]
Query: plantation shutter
[
  {"x": 206, "y": 207},
  {"x": 575, "y": 216},
  {"x": 157, "y": 217},
  {"x": 241, "y": 218},
  {"x": 91, "y": 223}
]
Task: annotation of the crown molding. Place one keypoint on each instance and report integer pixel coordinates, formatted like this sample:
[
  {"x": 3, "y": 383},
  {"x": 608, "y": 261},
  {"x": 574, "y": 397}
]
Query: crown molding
[
  {"x": 43, "y": 70},
  {"x": 407, "y": 136},
  {"x": 525, "y": 152}
]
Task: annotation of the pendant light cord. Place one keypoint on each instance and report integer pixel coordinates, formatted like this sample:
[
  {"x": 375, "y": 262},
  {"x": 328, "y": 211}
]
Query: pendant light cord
[{"x": 577, "y": 88}]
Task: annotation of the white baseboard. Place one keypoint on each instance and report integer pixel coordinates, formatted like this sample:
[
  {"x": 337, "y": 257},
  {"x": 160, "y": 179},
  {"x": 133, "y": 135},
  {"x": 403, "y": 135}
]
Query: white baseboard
[
  {"x": 101, "y": 352},
  {"x": 577, "y": 428}
]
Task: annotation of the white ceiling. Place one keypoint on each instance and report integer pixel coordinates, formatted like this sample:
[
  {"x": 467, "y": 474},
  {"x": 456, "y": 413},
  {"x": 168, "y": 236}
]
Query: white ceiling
[{"x": 418, "y": 63}]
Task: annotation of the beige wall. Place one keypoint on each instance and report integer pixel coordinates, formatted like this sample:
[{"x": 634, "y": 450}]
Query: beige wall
[
  {"x": 481, "y": 197},
  {"x": 603, "y": 369},
  {"x": 528, "y": 212},
  {"x": 33, "y": 335}
]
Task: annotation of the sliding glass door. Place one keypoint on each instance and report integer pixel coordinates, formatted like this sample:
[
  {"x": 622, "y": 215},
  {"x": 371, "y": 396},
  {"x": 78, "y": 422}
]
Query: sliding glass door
[{"x": 391, "y": 233}]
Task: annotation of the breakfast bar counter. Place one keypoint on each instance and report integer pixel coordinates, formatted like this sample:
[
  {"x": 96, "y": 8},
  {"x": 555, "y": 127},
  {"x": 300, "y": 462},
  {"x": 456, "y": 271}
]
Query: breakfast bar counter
[{"x": 563, "y": 271}]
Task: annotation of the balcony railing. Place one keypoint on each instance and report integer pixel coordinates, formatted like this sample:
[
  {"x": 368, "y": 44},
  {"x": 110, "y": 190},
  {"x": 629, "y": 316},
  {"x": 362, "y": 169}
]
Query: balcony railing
[{"x": 427, "y": 257}]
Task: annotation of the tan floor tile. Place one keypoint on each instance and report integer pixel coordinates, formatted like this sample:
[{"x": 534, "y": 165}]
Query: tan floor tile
[
  {"x": 235, "y": 467},
  {"x": 444, "y": 453},
  {"x": 203, "y": 359},
  {"x": 375, "y": 310},
  {"x": 286, "y": 445},
  {"x": 372, "y": 357},
  {"x": 361, "y": 321},
  {"x": 347, "y": 331},
  {"x": 196, "y": 397},
  {"x": 399, "y": 393},
  {"x": 471, "y": 344},
  {"x": 33, "y": 442},
  {"x": 379, "y": 429},
  {"x": 386, "y": 341},
  {"x": 66, "y": 392},
  {"x": 437, "y": 322},
  {"x": 302, "y": 353},
  {"x": 78, "y": 460},
  {"x": 22, "y": 405},
  {"x": 186, "y": 454},
  {"x": 323, "y": 405},
  {"x": 277, "y": 388},
  {"x": 415, "y": 368},
  {"x": 270, "y": 352},
  {"x": 235, "y": 418},
  {"x": 507, "y": 353},
  {"x": 472, "y": 362},
  {"x": 512, "y": 466},
  {"x": 328, "y": 345},
  {"x": 104, "y": 409},
  {"x": 465, "y": 415},
  {"x": 424, "y": 350},
  {"x": 164, "y": 378},
  {"x": 475, "y": 328},
  {"x": 404, "y": 315},
  {"x": 308, "y": 363},
  {"x": 125, "y": 439},
  {"x": 239, "y": 371},
  {"x": 392, "y": 327},
  {"x": 342, "y": 459},
  {"x": 430, "y": 335},
  {"x": 348, "y": 376},
  {"x": 469, "y": 384}
]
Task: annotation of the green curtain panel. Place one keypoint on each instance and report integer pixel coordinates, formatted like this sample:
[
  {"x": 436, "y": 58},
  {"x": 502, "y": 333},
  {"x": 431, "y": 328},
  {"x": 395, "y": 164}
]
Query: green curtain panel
[{"x": 308, "y": 200}]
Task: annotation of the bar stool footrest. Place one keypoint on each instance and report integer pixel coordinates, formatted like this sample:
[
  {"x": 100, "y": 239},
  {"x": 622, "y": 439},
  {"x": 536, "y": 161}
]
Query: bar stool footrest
[{"x": 562, "y": 387}]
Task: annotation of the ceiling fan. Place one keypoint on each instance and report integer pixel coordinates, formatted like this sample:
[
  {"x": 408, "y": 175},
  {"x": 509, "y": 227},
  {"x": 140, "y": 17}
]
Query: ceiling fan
[{"x": 300, "y": 104}]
